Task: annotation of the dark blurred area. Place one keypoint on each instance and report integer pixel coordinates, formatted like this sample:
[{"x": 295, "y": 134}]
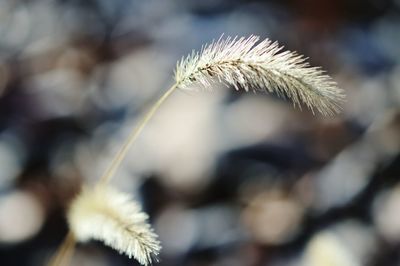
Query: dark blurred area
[{"x": 228, "y": 178}]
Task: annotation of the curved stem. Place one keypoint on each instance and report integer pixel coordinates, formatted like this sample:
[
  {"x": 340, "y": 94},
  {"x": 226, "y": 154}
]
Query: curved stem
[
  {"x": 64, "y": 252},
  {"x": 133, "y": 136}
]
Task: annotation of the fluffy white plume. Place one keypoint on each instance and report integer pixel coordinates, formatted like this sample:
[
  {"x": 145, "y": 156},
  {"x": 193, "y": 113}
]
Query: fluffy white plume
[
  {"x": 243, "y": 63},
  {"x": 113, "y": 217}
]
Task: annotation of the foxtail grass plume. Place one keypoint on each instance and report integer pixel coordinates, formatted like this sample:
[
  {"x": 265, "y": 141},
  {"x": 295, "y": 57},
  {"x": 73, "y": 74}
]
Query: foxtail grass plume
[
  {"x": 103, "y": 213},
  {"x": 245, "y": 63},
  {"x": 108, "y": 215}
]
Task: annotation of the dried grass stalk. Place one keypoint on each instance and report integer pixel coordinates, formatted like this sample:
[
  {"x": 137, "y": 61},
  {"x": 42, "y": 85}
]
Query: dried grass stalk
[
  {"x": 110, "y": 216},
  {"x": 245, "y": 63}
]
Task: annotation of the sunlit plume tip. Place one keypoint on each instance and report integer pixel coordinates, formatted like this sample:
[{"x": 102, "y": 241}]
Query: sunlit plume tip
[{"x": 110, "y": 216}]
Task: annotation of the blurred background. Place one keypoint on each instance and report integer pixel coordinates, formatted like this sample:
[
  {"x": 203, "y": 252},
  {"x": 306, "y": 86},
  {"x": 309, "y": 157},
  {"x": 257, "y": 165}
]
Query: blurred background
[{"x": 227, "y": 178}]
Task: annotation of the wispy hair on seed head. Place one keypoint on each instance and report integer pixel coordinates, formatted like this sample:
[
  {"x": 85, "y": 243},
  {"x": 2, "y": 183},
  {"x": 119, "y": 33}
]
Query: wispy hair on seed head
[
  {"x": 111, "y": 216},
  {"x": 252, "y": 65}
]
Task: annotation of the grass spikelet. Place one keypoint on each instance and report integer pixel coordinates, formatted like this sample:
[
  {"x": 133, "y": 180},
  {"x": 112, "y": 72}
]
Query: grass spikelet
[
  {"x": 108, "y": 215},
  {"x": 252, "y": 65}
]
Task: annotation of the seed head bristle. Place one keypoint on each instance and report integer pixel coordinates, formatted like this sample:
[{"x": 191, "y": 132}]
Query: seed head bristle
[
  {"x": 245, "y": 63},
  {"x": 108, "y": 215}
]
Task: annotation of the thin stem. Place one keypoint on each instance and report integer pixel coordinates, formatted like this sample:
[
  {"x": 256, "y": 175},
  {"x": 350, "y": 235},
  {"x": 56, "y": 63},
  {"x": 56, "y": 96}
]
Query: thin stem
[
  {"x": 64, "y": 252},
  {"x": 133, "y": 136}
]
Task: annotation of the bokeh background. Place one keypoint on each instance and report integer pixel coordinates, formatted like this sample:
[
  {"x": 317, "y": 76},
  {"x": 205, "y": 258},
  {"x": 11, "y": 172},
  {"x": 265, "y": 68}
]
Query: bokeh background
[{"x": 227, "y": 178}]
